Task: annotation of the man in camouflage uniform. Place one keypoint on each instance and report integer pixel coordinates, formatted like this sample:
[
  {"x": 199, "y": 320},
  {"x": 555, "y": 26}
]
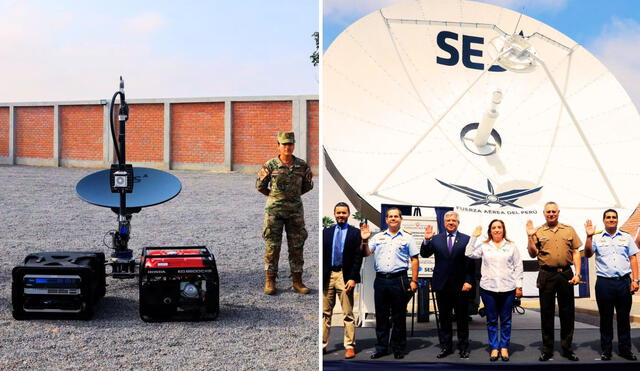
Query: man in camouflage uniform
[{"x": 283, "y": 179}]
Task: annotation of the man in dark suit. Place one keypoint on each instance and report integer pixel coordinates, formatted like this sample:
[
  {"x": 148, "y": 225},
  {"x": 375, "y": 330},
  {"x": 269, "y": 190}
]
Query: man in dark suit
[
  {"x": 452, "y": 281},
  {"x": 341, "y": 258}
]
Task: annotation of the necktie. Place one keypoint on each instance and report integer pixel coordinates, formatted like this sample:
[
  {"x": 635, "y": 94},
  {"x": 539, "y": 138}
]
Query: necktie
[
  {"x": 450, "y": 242},
  {"x": 337, "y": 248}
]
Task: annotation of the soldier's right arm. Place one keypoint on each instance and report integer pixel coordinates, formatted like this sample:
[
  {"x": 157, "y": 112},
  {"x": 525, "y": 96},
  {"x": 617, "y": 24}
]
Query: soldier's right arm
[
  {"x": 532, "y": 240},
  {"x": 264, "y": 176}
]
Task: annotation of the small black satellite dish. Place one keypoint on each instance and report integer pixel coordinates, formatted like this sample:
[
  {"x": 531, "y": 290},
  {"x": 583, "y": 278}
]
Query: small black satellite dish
[{"x": 151, "y": 187}]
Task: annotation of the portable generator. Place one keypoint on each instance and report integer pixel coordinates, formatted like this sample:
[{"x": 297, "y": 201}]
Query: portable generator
[
  {"x": 58, "y": 284},
  {"x": 178, "y": 283}
]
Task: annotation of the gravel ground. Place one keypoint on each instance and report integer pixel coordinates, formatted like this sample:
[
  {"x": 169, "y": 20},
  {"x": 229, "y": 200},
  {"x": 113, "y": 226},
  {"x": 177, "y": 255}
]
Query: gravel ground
[{"x": 222, "y": 211}]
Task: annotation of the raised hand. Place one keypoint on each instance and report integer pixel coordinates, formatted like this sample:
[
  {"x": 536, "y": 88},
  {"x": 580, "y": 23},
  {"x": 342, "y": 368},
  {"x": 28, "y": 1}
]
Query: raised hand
[
  {"x": 365, "y": 233},
  {"x": 477, "y": 232},
  {"x": 531, "y": 230},
  {"x": 589, "y": 228},
  {"x": 428, "y": 232}
]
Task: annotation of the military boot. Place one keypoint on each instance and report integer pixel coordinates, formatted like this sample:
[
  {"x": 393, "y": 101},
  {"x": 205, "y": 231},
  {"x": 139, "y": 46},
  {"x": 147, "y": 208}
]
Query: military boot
[
  {"x": 270, "y": 284},
  {"x": 298, "y": 286}
]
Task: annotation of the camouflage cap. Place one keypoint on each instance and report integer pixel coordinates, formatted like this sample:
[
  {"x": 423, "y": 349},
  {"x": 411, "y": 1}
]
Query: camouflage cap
[{"x": 285, "y": 137}]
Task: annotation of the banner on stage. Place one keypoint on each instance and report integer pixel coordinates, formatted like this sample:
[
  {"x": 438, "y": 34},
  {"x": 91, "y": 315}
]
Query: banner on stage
[{"x": 416, "y": 225}]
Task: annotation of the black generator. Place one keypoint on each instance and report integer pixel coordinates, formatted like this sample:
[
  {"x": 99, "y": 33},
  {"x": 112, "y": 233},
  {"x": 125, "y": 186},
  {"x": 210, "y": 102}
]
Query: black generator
[
  {"x": 58, "y": 285},
  {"x": 178, "y": 283}
]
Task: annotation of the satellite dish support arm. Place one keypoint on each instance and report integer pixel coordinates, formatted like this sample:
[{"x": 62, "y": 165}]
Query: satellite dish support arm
[
  {"x": 434, "y": 125},
  {"x": 122, "y": 258},
  {"x": 580, "y": 132}
]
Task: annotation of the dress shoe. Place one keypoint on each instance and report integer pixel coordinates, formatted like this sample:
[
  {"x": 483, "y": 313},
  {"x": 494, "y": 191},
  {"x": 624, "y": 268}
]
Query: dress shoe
[
  {"x": 571, "y": 356},
  {"x": 545, "y": 357},
  {"x": 629, "y": 356},
  {"x": 398, "y": 355},
  {"x": 464, "y": 354},
  {"x": 377, "y": 355},
  {"x": 504, "y": 358},
  {"x": 492, "y": 357},
  {"x": 349, "y": 353},
  {"x": 444, "y": 352},
  {"x": 605, "y": 357}
]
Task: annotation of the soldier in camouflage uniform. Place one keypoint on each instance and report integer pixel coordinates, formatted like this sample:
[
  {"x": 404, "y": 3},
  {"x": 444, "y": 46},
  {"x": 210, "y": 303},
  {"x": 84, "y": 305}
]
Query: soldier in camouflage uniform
[{"x": 283, "y": 179}]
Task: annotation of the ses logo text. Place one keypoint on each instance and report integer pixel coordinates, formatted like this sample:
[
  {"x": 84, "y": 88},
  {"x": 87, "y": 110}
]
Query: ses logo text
[{"x": 469, "y": 49}]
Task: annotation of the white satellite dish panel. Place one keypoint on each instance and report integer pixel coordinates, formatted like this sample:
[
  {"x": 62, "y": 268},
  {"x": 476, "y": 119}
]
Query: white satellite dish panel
[{"x": 464, "y": 103}]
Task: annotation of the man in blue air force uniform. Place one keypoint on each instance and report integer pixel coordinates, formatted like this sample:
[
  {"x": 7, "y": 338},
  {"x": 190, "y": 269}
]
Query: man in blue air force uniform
[
  {"x": 617, "y": 271},
  {"x": 394, "y": 250}
]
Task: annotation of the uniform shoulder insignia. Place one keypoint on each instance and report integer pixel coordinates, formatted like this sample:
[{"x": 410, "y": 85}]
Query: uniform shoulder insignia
[
  {"x": 598, "y": 232},
  {"x": 406, "y": 231}
]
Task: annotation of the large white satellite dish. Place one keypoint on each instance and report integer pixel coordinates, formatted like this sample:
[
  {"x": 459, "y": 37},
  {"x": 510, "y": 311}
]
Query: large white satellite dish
[{"x": 445, "y": 103}]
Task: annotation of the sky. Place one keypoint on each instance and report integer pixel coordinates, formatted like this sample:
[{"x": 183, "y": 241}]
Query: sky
[
  {"x": 76, "y": 50},
  {"x": 610, "y": 30}
]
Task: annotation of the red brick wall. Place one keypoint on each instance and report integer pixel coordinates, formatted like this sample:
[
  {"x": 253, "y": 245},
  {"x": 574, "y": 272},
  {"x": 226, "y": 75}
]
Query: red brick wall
[
  {"x": 313, "y": 124},
  {"x": 81, "y": 132},
  {"x": 197, "y": 132},
  {"x": 34, "y": 132},
  {"x": 4, "y": 132},
  {"x": 145, "y": 133},
  {"x": 255, "y": 129}
]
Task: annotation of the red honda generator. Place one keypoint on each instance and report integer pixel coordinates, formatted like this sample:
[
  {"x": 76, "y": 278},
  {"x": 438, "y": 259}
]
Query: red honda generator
[{"x": 178, "y": 283}]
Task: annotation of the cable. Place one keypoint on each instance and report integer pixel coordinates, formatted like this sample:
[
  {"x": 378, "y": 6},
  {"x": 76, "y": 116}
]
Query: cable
[
  {"x": 110, "y": 232},
  {"x": 113, "y": 130},
  {"x": 123, "y": 117}
]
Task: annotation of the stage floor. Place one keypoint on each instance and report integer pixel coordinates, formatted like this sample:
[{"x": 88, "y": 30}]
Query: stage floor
[{"x": 423, "y": 347}]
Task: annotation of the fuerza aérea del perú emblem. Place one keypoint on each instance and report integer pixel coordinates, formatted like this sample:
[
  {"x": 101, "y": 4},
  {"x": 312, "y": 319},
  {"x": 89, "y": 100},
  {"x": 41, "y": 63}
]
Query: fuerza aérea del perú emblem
[{"x": 507, "y": 198}]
